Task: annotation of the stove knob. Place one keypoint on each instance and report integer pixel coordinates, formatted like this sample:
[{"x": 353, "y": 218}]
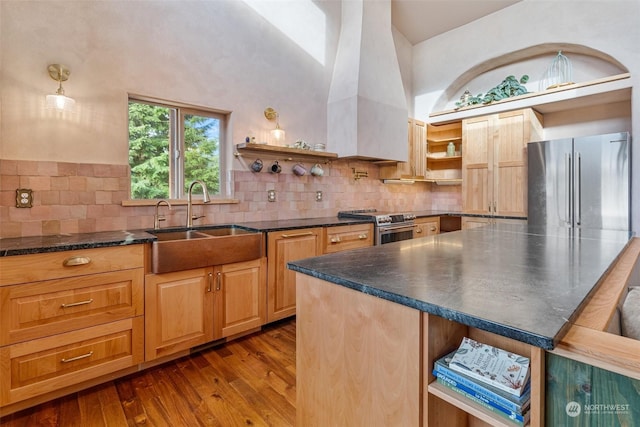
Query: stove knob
[{"x": 409, "y": 216}]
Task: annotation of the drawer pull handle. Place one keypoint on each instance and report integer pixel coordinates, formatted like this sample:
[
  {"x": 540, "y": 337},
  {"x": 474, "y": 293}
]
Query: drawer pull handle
[
  {"x": 74, "y": 304},
  {"x": 433, "y": 229},
  {"x": 218, "y": 281},
  {"x": 418, "y": 230},
  {"x": 76, "y": 260},
  {"x": 210, "y": 282},
  {"x": 362, "y": 236},
  {"x": 335, "y": 240},
  {"x": 289, "y": 236},
  {"x": 73, "y": 359}
]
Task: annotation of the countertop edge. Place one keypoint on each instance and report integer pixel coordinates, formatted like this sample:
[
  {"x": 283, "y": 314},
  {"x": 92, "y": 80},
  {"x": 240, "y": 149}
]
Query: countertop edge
[{"x": 545, "y": 343}]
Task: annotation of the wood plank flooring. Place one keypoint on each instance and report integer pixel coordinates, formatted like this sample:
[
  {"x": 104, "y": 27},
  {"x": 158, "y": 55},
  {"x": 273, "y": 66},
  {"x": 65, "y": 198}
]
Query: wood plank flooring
[{"x": 247, "y": 382}]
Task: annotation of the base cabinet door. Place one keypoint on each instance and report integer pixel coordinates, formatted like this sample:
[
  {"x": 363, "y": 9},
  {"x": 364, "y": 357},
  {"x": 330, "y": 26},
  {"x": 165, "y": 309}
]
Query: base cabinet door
[
  {"x": 282, "y": 247},
  {"x": 178, "y": 311},
  {"x": 240, "y": 297}
]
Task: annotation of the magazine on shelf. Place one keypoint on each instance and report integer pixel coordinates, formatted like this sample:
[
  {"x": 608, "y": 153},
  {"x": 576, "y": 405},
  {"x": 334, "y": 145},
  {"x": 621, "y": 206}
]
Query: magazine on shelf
[
  {"x": 483, "y": 390},
  {"x": 518, "y": 419},
  {"x": 491, "y": 365}
]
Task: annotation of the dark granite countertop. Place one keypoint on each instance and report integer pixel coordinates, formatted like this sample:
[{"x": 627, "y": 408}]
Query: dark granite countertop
[
  {"x": 519, "y": 281},
  {"x": 66, "y": 242}
]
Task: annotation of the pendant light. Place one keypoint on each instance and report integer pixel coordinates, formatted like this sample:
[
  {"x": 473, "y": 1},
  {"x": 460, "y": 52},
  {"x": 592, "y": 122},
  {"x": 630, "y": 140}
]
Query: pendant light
[{"x": 59, "y": 101}]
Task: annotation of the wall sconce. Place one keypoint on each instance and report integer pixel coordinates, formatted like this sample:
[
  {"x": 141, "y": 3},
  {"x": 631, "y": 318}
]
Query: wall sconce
[
  {"x": 59, "y": 101},
  {"x": 277, "y": 134}
]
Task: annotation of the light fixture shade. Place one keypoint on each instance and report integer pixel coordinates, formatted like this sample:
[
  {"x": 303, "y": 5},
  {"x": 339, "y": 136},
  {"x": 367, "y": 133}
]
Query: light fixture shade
[
  {"x": 277, "y": 135},
  {"x": 60, "y": 103}
]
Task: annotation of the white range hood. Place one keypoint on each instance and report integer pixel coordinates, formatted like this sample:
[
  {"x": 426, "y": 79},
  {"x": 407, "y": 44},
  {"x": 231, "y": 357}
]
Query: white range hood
[{"x": 367, "y": 109}]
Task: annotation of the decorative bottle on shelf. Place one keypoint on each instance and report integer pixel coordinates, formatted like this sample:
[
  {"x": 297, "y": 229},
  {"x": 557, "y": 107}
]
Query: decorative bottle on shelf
[{"x": 451, "y": 149}]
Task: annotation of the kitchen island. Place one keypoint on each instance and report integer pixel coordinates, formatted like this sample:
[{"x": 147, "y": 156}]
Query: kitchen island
[{"x": 372, "y": 321}]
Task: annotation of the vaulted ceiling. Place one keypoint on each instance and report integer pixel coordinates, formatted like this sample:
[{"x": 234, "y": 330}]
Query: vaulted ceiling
[{"x": 420, "y": 20}]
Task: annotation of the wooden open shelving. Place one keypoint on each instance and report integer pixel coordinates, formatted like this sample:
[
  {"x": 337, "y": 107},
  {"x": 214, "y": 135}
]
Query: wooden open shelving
[{"x": 285, "y": 152}]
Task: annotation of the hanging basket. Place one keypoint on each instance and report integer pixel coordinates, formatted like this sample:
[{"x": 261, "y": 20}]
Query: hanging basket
[{"x": 558, "y": 74}]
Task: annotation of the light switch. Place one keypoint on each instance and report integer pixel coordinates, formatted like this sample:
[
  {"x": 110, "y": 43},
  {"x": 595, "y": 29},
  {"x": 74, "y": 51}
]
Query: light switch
[{"x": 24, "y": 198}]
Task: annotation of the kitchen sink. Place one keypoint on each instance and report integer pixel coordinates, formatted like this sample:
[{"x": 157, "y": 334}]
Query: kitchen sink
[
  {"x": 188, "y": 249},
  {"x": 225, "y": 231},
  {"x": 179, "y": 235}
]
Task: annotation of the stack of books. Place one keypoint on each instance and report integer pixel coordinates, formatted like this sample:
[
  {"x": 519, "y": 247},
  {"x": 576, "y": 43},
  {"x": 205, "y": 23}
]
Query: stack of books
[{"x": 491, "y": 377}]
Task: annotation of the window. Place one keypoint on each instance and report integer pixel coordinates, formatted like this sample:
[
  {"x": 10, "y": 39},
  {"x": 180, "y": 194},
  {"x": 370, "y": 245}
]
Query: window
[{"x": 170, "y": 146}]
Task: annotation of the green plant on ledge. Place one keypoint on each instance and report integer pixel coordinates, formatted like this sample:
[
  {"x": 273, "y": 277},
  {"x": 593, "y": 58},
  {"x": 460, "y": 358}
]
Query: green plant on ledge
[{"x": 509, "y": 87}]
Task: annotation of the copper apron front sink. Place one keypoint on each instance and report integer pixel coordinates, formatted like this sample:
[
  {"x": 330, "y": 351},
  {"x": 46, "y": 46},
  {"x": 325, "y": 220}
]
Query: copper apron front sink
[{"x": 187, "y": 249}]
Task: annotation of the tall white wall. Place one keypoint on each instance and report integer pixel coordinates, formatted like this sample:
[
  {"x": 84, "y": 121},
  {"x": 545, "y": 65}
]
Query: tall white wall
[
  {"x": 220, "y": 54},
  {"x": 610, "y": 27}
]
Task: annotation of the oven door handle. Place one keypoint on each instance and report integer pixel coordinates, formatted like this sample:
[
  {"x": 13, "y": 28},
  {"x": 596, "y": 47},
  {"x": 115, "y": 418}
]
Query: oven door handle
[{"x": 386, "y": 229}]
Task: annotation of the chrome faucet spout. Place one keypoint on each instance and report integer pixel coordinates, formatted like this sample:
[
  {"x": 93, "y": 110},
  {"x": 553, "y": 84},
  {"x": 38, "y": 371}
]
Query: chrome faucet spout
[
  {"x": 157, "y": 218},
  {"x": 205, "y": 199}
]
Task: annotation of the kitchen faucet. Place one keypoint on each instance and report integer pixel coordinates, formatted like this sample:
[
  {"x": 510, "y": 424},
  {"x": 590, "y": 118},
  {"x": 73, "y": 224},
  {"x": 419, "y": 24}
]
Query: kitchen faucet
[
  {"x": 157, "y": 218},
  {"x": 205, "y": 199}
]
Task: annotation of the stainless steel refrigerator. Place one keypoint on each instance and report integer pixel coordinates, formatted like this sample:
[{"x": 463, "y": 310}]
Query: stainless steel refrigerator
[{"x": 580, "y": 182}]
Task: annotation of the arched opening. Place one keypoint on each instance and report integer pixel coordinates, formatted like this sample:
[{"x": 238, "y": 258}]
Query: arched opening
[{"x": 587, "y": 63}]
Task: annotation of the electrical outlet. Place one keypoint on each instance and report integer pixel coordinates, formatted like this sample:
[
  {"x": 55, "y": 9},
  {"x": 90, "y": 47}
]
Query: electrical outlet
[
  {"x": 24, "y": 198},
  {"x": 318, "y": 196},
  {"x": 271, "y": 195}
]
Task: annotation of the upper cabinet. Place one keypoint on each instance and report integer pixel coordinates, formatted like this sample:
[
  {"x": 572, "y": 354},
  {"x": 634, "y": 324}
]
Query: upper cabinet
[
  {"x": 414, "y": 169},
  {"x": 494, "y": 162}
]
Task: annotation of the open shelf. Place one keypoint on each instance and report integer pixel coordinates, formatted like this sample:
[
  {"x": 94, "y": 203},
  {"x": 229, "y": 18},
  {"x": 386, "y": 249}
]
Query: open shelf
[
  {"x": 469, "y": 406},
  {"x": 595, "y": 92},
  {"x": 285, "y": 152}
]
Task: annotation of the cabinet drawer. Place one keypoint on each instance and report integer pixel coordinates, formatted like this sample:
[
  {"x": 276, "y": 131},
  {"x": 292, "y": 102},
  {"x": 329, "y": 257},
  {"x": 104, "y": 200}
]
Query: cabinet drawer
[
  {"x": 35, "y": 310},
  {"x": 37, "y": 367},
  {"x": 55, "y": 265},
  {"x": 347, "y": 237}
]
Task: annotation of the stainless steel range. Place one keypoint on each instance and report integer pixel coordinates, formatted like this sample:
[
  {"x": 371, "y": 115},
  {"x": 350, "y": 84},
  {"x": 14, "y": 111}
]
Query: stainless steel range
[{"x": 388, "y": 227}]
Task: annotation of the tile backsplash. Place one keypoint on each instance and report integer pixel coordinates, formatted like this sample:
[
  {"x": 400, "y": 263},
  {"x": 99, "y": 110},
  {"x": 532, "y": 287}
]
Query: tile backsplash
[{"x": 80, "y": 198}]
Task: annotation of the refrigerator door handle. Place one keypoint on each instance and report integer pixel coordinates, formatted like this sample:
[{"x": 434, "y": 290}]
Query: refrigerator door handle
[
  {"x": 578, "y": 188},
  {"x": 567, "y": 206}
]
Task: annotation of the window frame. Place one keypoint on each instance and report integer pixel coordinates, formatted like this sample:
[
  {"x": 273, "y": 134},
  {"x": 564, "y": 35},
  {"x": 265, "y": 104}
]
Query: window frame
[{"x": 178, "y": 110}]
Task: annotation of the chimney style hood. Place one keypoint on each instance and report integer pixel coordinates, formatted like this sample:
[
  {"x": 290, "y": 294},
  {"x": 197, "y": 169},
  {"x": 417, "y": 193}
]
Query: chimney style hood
[{"x": 367, "y": 108}]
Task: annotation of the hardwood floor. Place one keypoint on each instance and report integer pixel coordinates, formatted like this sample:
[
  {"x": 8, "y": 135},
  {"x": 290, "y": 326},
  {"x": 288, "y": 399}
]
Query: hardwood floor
[{"x": 247, "y": 382}]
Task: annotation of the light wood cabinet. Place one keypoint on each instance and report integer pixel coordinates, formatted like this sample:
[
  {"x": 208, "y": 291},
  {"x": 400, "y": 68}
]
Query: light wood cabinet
[
  {"x": 494, "y": 162},
  {"x": 179, "y": 311},
  {"x": 426, "y": 226},
  {"x": 415, "y": 167},
  {"x": 346, "y": 237},
  {"x": 240, "y": 297},
  {"x": 85, "y": 322},
  {"x": 441, "y": 167},
  {"x": 282, "y": 247},
  {"x": 185, "y": 309}
]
